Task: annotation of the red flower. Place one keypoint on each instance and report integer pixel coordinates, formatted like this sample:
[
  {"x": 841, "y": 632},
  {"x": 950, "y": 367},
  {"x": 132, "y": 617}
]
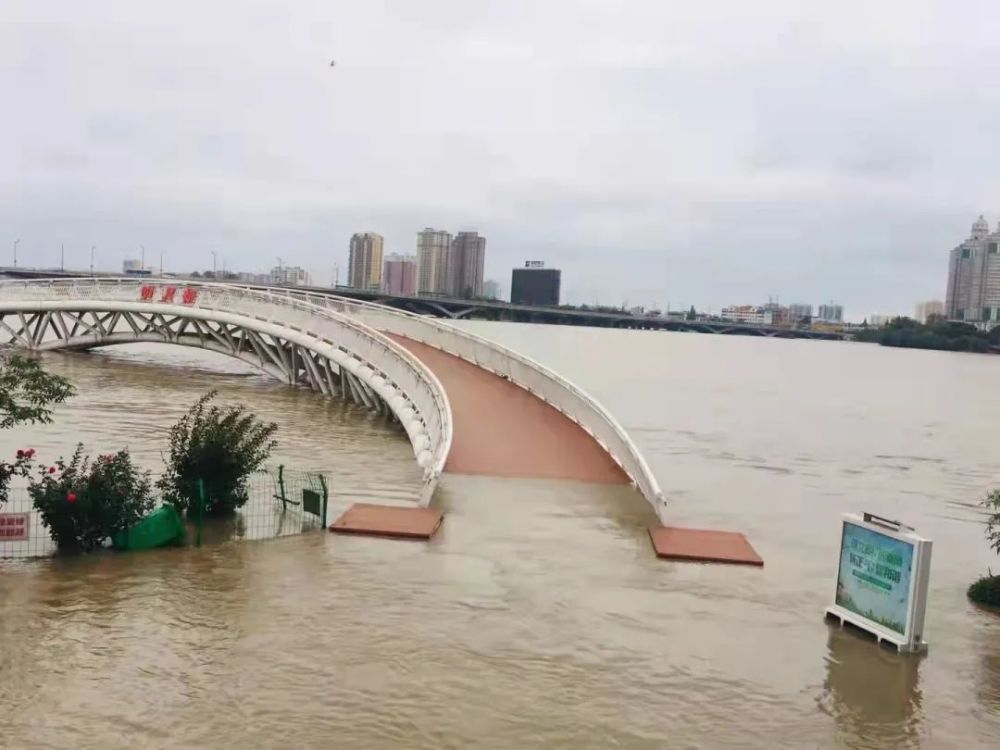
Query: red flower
[
  {"x": 71, "y": 497},
  {"x": 52, "y": 470},
  {"x": 30, "y": 452},
  {"x": 20, "y": 453}
]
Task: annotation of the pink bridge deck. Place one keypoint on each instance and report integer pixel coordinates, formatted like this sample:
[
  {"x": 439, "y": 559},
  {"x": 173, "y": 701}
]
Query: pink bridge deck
[{"x": 502, "y": 430}]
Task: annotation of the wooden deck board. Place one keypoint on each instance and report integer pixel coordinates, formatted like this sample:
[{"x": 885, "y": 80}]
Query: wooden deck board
[
  {"x": 388, "y": 521},
  {"x": 702, "y": 545}
]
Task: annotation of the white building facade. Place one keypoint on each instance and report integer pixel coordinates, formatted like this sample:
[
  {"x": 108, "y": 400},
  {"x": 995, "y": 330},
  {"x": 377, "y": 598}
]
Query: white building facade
[
  {"x": 973, "y": 293},
  {"x": 290, "y": 276},
  {"x": 433, "y": 254}
]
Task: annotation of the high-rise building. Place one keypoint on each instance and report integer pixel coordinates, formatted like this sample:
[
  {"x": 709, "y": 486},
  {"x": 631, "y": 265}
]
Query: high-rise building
[
  {"x": 491, "y": 289},
  {"x": 466, "y": 261},
  {"x": 433, "y": 251},
  {"x": 535, "y": 284},
  {"x": 290, "y": 276},
  {"x": 400, "y": 274},
  {"x": 364, "y": 265},
  {"x": 926, "y": 310},
  {"x": 974, "y": 277},
  {"x": 798, "y": 311},
  {"x": 830, "y": 313}
]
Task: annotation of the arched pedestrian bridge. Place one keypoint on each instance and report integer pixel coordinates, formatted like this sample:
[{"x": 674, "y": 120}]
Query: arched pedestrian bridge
[{"x": 467, "y": 404}]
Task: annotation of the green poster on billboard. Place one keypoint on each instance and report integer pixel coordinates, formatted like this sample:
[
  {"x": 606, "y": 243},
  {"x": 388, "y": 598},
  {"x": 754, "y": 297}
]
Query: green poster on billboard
[
  {"x": 882, "y": 579},
  {"x": 874, "y": 576}
]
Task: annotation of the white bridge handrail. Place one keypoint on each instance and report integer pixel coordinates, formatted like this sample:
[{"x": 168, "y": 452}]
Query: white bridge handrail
[
  {"x": 401, "y": 372},
  {"x": 534, "y": 377}
]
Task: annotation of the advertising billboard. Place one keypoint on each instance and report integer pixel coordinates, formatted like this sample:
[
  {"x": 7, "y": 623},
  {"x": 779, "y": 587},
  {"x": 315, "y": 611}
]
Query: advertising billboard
[{"x": 882, "y": 578}]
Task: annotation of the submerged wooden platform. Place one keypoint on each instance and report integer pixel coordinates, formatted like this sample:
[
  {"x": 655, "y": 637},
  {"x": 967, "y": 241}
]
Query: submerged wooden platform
[
  {"x": 703, "y": 545},
  {"x": 388, "y": 521}
]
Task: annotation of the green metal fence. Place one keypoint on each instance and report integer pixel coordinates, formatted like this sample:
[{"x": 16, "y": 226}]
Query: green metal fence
[{"x": 281, "y": 503}]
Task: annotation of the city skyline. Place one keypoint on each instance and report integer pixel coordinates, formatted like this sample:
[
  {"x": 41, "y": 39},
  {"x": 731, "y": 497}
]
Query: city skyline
[{"x": 701, "y": 171}]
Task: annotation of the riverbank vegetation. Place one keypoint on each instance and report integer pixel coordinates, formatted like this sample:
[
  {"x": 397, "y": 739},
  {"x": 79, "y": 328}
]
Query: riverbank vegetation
[
  {"x": 85, "y": 503},
  {"x": 987, "y": 589},
  {"x": 937, "y": 333}
]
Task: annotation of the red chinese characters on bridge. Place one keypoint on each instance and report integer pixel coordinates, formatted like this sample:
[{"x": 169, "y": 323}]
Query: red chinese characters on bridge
[
  {"x": 13, "y": 527},
  {"x": 189, "y": 295}
]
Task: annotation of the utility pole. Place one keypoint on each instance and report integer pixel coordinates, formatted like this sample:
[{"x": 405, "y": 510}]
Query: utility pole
[
  {"x": 142, "y": 263},
  {"x": 161, "y": 264},
  {"x": 215, "y": 266},
  {"x": 92, "y": 249},
  {"x": 62, "y": 256},
  {"x": 15, "y": 252}
]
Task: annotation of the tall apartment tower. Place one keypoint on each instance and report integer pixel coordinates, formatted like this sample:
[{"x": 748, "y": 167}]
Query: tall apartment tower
[
  {"x": 465, "y": 265},
  {"x": 400, "y": 275},
  {"x": 433, "y": 251},
  {"x": 974, "y": 277},
  {"x": 364, "y": 266}
]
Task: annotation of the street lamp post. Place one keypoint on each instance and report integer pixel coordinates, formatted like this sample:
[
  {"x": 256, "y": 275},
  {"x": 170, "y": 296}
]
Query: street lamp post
[
  {"x": 62, "y": 256},
  {"x": 280, "y": 278},
  {"x": 215, "y": 266},
  {"x": 142, "y": 263},
  {"x": 15, "y": 252},
  {"x": 92, "y": 249},
  {"x": 161, "y": 264}
]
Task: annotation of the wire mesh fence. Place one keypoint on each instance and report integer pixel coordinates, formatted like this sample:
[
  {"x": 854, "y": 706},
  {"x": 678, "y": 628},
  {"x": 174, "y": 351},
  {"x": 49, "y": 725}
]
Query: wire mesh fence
[{"x": 279, "y": 503}]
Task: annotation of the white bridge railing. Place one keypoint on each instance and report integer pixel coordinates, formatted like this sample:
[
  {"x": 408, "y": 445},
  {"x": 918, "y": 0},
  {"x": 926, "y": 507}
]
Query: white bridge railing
[
  {"x": 534, "y": 377},
  {"x": 407, "y": 386}
]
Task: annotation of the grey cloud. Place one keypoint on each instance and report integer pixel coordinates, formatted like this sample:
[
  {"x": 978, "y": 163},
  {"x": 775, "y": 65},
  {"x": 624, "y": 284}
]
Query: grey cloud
[{"x": 704, "y": 153}]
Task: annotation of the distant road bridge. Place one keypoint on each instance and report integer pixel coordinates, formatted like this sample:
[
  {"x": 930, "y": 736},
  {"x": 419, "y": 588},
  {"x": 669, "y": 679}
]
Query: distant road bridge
[
  {"x": 449, "y": 308},
  {"x": 467, "y": 404}
]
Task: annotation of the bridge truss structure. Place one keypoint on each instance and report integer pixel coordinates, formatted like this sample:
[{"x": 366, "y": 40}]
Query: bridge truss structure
[{"x": 296, "y": 342}]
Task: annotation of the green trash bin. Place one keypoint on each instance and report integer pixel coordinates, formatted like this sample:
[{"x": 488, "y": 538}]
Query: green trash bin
[{"x": 158, "y": 529}]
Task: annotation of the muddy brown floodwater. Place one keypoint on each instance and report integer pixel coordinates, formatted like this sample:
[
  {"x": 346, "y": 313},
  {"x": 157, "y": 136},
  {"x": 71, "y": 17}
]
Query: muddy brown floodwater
[{"x": 539, "y": 616}]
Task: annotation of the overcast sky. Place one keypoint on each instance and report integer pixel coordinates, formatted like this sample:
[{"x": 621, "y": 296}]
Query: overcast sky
[{"x": 698, "y": 153}]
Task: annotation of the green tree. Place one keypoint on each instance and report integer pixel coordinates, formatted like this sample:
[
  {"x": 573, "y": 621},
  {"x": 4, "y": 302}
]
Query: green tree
[
  {"x": 27, "y": 395},
  {"x": 220, "y": 446},
  {"x": 28, "y": 392},
  {"x": 691, "y": 314}
]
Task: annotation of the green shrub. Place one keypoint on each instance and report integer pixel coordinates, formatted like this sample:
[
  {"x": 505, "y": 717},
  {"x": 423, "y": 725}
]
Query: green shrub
[
  {"x": 986, "y": 591},
  {"x": 83, "y": 502},
  {"x": 221, "y": 446}
]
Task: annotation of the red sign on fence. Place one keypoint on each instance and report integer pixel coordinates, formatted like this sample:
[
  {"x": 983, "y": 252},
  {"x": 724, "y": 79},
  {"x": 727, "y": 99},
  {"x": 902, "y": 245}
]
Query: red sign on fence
[
  {"x": 14, "y": 527},
  {"x": 189, "y": 294}
]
